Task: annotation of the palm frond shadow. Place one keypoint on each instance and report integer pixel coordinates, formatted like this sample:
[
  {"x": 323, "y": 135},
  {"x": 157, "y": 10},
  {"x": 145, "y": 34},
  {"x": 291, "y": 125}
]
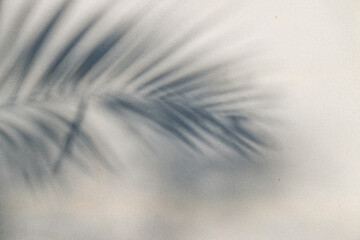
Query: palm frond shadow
[{"x": 193, "y": 102}]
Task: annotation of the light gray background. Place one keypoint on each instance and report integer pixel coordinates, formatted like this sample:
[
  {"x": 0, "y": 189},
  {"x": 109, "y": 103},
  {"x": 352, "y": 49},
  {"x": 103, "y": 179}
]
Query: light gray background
[{"x": 310, "y": 55}]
